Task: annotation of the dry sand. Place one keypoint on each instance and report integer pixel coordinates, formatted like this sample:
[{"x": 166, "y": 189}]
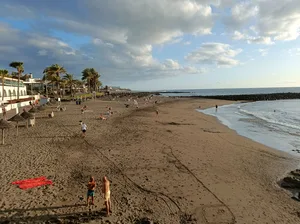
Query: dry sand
[{"x": 178, "y": 167}]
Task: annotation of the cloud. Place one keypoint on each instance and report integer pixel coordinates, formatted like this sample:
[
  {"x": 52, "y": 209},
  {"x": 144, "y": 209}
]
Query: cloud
[
  {"x": 269, "y": 19},
  {"x": 294, "y": 51},
  {"x": 263, "y": 52},
  {"x": 241, "y": 14},
  {"x": 259, "y": 40},
  {"x": 236, "y": 35},
  {"x": 218, "y": 54},
  {"x": 129, "y": 21},
  {"x": 187, "y": 43},
  {"x": 121, "y": 33},
  {"x": 121, "y": 37}
]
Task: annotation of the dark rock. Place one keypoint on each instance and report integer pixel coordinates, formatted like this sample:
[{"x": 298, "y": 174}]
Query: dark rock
[
  {"x": 291, "y": 182},
  {"x": 254, "y": 97},
  {"x": 296, "y": 172}
]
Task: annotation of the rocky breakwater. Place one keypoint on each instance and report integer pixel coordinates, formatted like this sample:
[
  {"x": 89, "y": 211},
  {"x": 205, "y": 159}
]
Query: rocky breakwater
[
  {"x": 254, "y": 97},
  {"x": 292, "y": 182}
]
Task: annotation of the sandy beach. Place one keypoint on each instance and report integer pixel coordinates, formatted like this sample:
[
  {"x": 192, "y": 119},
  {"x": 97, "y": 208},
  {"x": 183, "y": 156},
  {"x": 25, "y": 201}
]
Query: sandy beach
[{"x": 178, "y": 167}]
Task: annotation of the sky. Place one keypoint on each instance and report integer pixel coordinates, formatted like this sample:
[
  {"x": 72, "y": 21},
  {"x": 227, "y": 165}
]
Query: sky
[{"x": 157, "y": 44}]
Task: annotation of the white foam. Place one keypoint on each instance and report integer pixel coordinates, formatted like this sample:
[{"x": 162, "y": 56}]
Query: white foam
[{"x": 259, "y": 122}]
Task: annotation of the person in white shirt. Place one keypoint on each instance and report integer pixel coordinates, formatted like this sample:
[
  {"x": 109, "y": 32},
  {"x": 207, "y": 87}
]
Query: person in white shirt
[{"x": 83, "y": 129}]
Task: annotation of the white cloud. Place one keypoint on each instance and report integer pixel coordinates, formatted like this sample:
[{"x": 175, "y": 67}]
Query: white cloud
[
  {"x": 119, "y": 46},
  {"x": 251, "y": 39},
  {"x": 263, "y": 52},
  {"x": 294, "y": 51},
  {"x": 259, "y": 40},
  {"x": 268, "y": 19},
  {"x": 42, "y": 52},
  {"x": 116, "y": 21},
  {"x": 238, "y": 36},
  {"x": 219, "y": 54},
  {"x": 123, "y": 34},
  {"x": 241, "y": 13}
]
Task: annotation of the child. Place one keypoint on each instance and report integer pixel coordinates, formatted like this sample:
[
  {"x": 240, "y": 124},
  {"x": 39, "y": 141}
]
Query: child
[
  {"x": 91, "y": 190},
  {"x": 83, "y": 129}
]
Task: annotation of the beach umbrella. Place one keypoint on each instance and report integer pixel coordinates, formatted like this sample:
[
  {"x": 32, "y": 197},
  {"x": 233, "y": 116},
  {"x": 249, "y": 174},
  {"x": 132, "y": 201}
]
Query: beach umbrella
[
  {"x": 4, "y": 125},
  {"x": 33, "y": 110},
  {"x": 17, "y": 118},
  {"x": 27, "y": 116},
  {"x": 40, "y": 108}
]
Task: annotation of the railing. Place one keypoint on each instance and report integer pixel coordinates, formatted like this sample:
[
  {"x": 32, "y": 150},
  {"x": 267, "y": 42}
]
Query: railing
[{"x": 11, "y": 83}]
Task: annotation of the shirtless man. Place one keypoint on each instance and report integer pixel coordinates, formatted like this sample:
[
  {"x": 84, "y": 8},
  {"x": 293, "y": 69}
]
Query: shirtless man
[
  {"x": 106, "y": 192},
  {"x": 91, "y": 190}
]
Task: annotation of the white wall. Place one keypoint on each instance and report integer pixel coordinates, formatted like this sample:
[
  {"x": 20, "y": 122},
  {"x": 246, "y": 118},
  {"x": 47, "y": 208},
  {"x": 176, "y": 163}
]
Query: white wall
[
  {"x": 16, "y": 106},
  {"x": 14, "y": 90}
]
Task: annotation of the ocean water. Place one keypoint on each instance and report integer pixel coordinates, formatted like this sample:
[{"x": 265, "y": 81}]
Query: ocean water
[
  {"x": 272, "y": 123},
  {"x": 210, "y": 92}
]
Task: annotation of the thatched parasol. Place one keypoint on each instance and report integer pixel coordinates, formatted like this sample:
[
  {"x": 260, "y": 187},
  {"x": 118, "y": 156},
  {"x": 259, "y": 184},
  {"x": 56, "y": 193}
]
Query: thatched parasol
[
  {"x": 33, "y": 110},
  {"x": 17, "y": 118},
  {"x": 4, "y": 125},
  {"x": 40, "y": 108},
  {"x": 27, "y": 116}
]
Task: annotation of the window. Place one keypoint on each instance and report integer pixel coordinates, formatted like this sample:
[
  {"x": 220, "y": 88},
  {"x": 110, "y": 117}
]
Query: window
[
  {"x": 5, "y": 94},
  {"x": 9, "y": 92},
  {"x": 14, "y": 93}
]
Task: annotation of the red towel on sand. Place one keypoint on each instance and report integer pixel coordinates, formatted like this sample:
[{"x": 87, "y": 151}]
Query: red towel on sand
[{"x": 33, "y": 182}]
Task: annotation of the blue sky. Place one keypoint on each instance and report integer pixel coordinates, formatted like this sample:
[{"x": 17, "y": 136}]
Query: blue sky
[{"x": 154, "y": 44}]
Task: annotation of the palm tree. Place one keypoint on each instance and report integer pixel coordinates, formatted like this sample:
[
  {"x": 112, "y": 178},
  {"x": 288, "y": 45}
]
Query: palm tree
[
  {"x": 95, "y": 82},
  {"x": 55, "y": 71},
  {"x": 87, "y": 76},
  {"x": 92, "y": 78},
  {"x": 3, "y": 73},
  {"x": 20, "y": 68},
  {"x": 78, "y": 84},
  {"x": 70, "y": 82}
]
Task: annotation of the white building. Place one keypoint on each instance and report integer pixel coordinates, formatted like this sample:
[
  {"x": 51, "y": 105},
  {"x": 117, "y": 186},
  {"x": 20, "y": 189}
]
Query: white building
[{"x": 10, "y": 89}]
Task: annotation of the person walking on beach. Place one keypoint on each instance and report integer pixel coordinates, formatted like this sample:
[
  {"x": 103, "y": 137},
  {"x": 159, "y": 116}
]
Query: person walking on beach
[
  {"x": 83, "y": 129},
  {"x": 91, "y": 191},
  {"x": 216, "y": 108},
  {"x": 106, "y": 192},
  {"x": 4, "y": 112}
]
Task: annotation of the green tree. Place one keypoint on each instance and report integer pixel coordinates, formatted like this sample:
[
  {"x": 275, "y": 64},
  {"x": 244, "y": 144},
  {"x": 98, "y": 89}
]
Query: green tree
[
  {"x": 3, "y": 73},
  {"x": 91, "y": 76},
  {"x": 53, "y": 73},
  {"x": 70, "y": 82},
  {"x": 20, "y": 69}
]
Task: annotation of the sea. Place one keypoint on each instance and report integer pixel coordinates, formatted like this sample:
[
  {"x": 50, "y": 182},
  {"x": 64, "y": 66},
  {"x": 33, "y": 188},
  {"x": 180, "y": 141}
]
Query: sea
[{"x": 273, "y": 123}]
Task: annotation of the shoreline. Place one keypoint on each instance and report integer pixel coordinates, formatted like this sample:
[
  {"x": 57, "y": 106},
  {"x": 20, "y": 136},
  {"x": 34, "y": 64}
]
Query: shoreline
[
  {"x": 221, "y": 122},
  {"x": 167, "y": 167},
  {"x": 287, "y": 173}
]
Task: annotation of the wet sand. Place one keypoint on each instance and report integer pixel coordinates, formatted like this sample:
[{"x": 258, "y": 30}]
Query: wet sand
[{"x": 178, "y": 167}]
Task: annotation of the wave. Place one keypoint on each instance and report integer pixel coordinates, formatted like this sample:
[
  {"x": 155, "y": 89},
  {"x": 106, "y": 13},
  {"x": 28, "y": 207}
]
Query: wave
[{"x": 276, "y": 122}]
